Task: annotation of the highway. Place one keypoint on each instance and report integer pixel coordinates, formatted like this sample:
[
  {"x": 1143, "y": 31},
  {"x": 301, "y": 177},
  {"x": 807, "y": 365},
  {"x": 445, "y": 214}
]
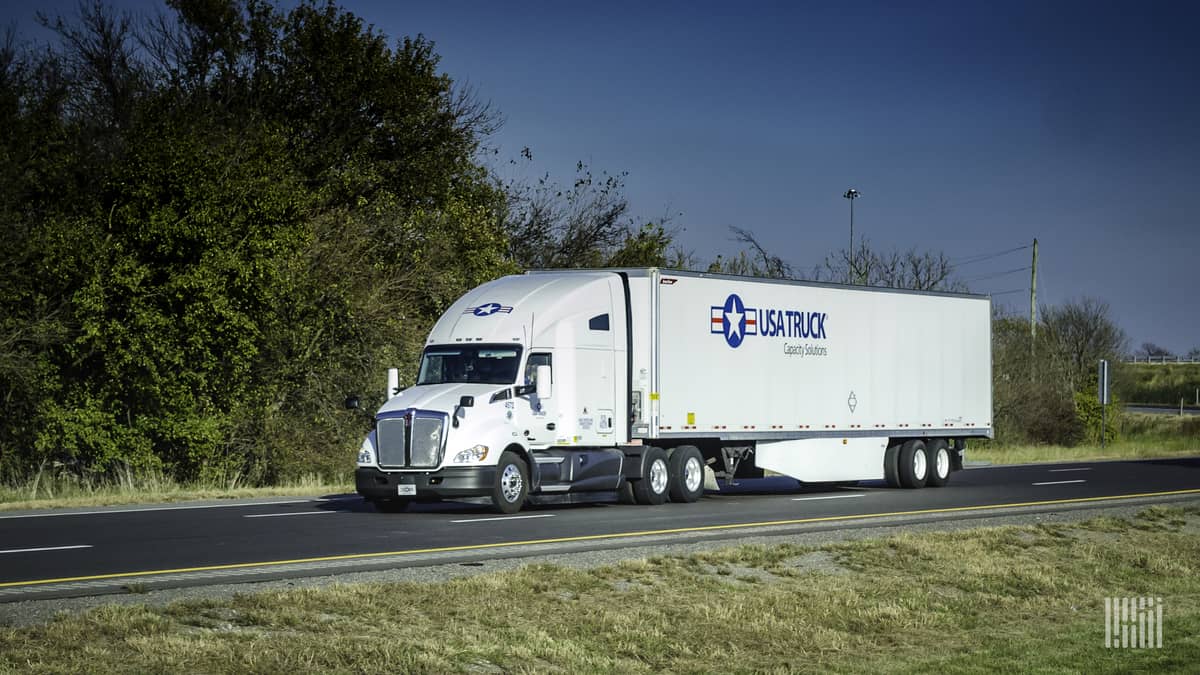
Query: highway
[{"x": 106, "y": 550}]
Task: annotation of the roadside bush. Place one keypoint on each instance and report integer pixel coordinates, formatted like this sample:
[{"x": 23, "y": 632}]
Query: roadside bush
[{"x": 1088, "y": 411}]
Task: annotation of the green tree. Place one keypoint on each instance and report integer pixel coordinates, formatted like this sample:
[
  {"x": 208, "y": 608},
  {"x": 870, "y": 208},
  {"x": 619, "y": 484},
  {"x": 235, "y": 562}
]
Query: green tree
[{"x": 219, "y": 231}]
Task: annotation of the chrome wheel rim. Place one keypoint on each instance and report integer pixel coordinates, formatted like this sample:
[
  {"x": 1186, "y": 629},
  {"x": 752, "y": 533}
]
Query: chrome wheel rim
[
  {"x": 943, "y": 463},
  {"x": 692, "y": 474},
  {"x": 511, "y": 483},
  {"x": 658, "y": 476},
  {"x": 919, "y": 467}
]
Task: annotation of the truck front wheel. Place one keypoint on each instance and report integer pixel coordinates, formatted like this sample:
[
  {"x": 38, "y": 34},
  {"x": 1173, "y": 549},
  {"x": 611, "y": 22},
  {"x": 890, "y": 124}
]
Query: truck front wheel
[{"x": 512, "y": 483}]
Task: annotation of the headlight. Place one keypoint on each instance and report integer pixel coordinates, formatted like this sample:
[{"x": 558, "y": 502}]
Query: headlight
[
  {"x": 366, "y": 454},
  {"x": 475, "y": 454}
]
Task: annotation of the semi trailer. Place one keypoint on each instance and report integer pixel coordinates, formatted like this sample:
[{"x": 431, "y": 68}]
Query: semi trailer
[{"x": 644, "y": 384}]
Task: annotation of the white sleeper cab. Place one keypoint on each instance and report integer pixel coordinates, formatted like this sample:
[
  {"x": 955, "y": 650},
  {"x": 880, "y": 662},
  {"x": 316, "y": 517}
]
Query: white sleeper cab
[{"x": 583, "y": 385}]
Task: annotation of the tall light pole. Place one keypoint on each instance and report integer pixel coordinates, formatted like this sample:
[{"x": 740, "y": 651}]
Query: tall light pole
[{"x": 851, "y": 194}]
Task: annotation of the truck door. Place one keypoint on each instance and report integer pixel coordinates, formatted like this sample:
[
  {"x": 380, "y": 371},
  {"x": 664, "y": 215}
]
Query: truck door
[{"x": 541, "y": 415}]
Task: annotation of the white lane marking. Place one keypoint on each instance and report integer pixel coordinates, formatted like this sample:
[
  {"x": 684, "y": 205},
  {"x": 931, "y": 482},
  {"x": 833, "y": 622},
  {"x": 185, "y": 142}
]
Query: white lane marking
[
  {"x": 293, "y": 513},
  {"x": 177, "y": 508},
  {"x": 1061, "y": 482},
  {"x": 804, "y": 499},
  {"x": 488, "y": 520},
  {"x": 1086, "y": 468},
  {"x": 46, "y": 548}
]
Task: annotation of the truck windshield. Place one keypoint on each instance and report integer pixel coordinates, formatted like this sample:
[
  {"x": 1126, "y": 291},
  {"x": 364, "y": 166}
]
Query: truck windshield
[{"x": 483, "y": 364}]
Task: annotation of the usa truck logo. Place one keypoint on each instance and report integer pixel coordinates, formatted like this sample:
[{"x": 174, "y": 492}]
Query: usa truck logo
[
  {"x": 734, "y": 321},
  {"x": 488, "y": 309}
]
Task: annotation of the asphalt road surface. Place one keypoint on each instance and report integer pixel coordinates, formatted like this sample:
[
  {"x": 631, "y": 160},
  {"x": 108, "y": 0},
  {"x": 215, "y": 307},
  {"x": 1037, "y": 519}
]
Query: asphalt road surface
[{"x": 106, "y": 550}]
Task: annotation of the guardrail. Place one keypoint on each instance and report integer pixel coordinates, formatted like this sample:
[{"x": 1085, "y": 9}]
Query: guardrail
[{"x": 1163, "y": 359}]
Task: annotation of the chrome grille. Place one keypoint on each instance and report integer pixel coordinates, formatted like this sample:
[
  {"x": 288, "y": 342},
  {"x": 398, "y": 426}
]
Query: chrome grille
[
  {"x": 389, "y": 436},
  {"x": 413, "y": 441},
  {"x": 426, "y": 442}
]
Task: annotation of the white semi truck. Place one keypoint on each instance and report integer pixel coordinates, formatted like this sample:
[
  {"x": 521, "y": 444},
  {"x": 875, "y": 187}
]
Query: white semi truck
[{"x": 568, "y": 386}]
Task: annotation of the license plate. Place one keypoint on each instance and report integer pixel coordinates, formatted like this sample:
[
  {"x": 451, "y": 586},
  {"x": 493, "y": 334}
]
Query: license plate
[{"x": 406, "y": 490}]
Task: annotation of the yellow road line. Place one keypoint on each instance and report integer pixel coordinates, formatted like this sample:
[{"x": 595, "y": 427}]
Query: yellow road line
[{"x": 588, "y": 537}]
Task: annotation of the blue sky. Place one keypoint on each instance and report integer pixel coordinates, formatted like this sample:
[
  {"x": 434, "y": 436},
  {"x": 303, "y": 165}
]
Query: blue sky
[{"x": 968, "y": 127}]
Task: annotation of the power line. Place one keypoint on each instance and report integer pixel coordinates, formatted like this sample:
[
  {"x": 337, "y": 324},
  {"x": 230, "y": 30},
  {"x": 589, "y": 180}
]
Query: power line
[
  {"x": 987, "y": 256},
  {"x": 1015, "y": 290},
  {"x": 999, "y": 274}
]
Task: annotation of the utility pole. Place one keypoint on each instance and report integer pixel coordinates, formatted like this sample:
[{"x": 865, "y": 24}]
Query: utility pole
[
  {"x": 1033, "y": 303},
  {"x": 851, "y": 194}
]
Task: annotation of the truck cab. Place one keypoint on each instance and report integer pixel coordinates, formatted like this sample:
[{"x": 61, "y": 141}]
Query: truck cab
[{"x": 518, "y": 393}]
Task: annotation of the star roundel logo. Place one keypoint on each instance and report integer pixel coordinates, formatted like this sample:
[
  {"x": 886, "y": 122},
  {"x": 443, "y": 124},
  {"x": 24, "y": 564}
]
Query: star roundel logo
[
  {"x": 733, "y": 320},
  {"x": 488, "y": 309}
]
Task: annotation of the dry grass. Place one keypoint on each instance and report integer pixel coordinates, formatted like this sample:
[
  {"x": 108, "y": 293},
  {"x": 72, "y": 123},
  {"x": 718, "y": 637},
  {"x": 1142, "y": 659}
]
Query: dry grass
[
  {"x": 63, "y": 491},
  {"x": 1017, "y": 599}
]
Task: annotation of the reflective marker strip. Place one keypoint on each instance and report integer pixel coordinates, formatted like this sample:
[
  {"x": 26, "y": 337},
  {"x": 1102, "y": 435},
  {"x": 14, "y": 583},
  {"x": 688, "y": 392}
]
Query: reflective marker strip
[
  {"x": 1062, "y": 482},
  {"x": 1087, "y": 468},
  {"x": 805, "y": 499},
  {"x": 593, "y": 537},
  {"x": 47, "y": 548}
]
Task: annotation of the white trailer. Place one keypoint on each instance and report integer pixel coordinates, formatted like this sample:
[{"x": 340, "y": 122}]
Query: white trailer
[{"x": 581, "y": 385}]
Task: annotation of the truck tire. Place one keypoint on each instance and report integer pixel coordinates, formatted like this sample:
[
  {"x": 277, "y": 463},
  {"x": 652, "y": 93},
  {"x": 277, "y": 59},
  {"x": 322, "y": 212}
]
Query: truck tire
[
  {"x": 651, "y": 489},
  {"x": 686, "y": 473},
  {"x": 891, "y": 465},
  {"x": 512, "y": 483},
  {"x": 938, "y": 454},
  {"x": 391, "y": 505},
  {"x": 914, "y": 464}
]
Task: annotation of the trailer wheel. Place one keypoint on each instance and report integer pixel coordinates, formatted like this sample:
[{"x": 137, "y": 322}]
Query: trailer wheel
[
  {"x": 891, "y": 465},
  {"x": 938, "y": 453},
  {"x": 651, "y": 490},
  {"x": 687, "y": 474},
  {"x": 512, "y": 483},
  {"x": 391, "y": 505},
  {"x": 914, "y": 464}
]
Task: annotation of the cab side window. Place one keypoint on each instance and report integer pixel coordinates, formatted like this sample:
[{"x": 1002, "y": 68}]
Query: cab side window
[{"x": 535, "y": 360}]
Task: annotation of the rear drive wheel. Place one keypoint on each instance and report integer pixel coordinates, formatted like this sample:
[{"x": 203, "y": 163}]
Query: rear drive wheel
[
  {"x": 512, "y": 483},
  {"x": 651, "y": 490},
  {"x": 914, "y": 464},
  {"x": 938, "y": 454},
  {"x": 686, "y": 473}
]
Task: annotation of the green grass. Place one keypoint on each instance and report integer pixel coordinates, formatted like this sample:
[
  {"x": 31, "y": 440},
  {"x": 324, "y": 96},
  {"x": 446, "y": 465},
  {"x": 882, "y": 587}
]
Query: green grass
[
  {"x": 64, "y": 490},
  {"x": 1015, "y": 599},
  {"x": 1163, "y": 384},
  {"x": 1142, "y": 436}
]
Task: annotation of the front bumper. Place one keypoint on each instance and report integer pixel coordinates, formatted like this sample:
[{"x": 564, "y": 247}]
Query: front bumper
[{"x": 447, "y": 483}]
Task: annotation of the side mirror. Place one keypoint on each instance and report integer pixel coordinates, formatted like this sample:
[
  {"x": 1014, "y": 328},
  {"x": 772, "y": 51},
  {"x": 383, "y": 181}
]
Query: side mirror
[
  {"x": 352, "y": 403},
  {"x": 464, "y": 402},
  {"x": 545, "y": 387}
]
